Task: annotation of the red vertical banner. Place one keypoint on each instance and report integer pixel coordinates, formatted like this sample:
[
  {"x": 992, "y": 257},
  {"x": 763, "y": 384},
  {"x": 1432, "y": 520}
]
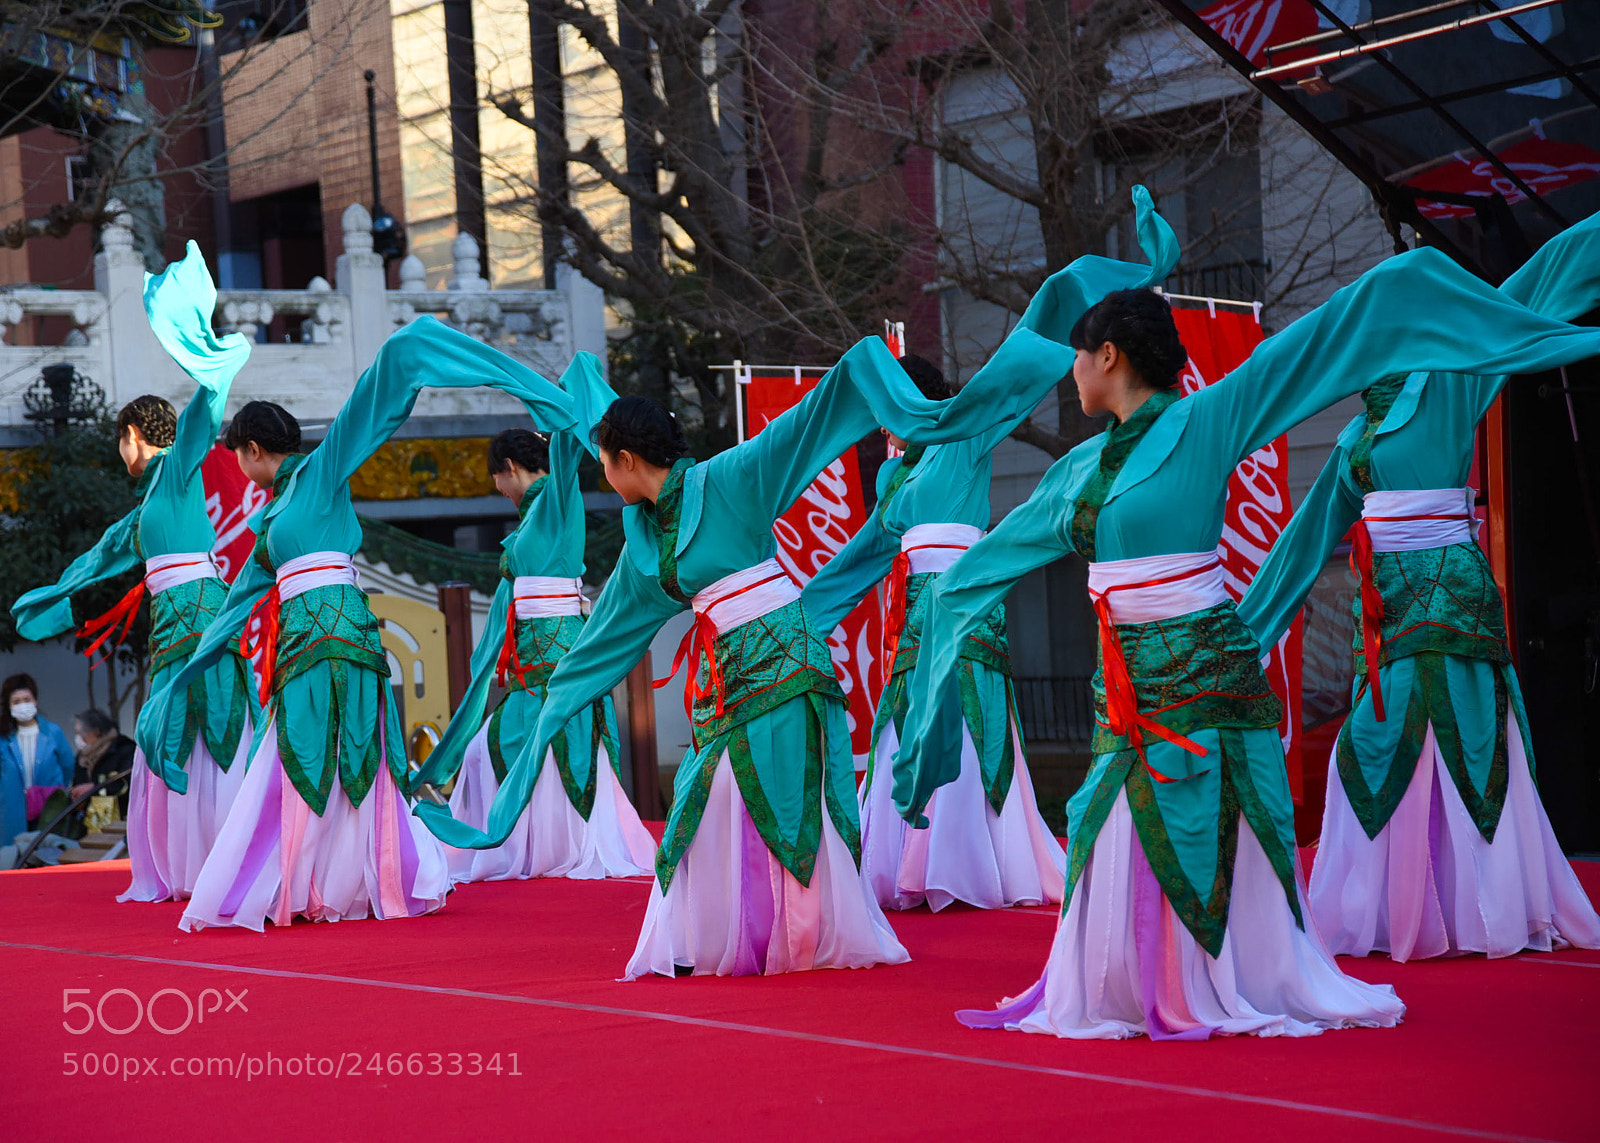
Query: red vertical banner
[
  {"x": 231, "y": 499},
  {"x": 810, "y": 534},
  {"x": 1258, "y": 507}
]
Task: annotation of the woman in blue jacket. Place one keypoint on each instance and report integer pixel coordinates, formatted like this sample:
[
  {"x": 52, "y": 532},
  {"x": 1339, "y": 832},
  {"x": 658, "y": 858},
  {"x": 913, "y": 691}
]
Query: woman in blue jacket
[{"x": 33, "y": 752}]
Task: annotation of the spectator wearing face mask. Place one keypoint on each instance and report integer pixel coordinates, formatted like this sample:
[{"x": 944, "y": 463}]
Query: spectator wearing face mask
[
  {"x": 103, "y": 750},
  {"x": 34, "y": 752}
]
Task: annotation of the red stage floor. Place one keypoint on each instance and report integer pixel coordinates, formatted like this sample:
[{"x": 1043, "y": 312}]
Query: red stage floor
[{"x": 521, "y": 975}]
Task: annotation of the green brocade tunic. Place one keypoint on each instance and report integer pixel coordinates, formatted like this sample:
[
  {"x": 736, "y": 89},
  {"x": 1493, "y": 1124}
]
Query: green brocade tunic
[
  {"x": 548, "y": 541},
  {"x": 1157, "y": 485},
  {"x": 171, "y": 518},
  {"x": 333, "y": 712},
  {"x": 1443, "y": 662}
]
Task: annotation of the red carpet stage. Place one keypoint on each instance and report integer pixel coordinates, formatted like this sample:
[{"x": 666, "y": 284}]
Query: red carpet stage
[{"x": 515, "y": 983}]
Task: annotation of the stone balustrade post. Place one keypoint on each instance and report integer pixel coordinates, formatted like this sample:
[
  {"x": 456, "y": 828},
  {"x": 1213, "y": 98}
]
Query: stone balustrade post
[
  {"x": 360, "y": 276},
  {"x": 133, "y": 356}
]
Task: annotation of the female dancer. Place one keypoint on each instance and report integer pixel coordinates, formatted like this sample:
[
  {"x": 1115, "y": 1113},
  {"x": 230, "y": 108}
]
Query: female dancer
[
  {"x": 320, "y": 827},
  {"x": 579, "y": 823},
  {"x": 986, "y": 843},
  {"x": 1184, "y": 916},
  {"x": 1434, "y": 840},
  {"x": 172, "y": 824}
]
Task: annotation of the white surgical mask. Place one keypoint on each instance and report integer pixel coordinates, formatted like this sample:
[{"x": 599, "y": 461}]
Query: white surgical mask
[
  {"x": 24, "y": 711},
  {"x": 78, "y": 743}
]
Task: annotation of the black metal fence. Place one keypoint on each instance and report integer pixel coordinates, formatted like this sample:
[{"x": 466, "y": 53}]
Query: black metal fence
[
  {"x": 1237, "y": 281},
  {"x": 1055, "y": 709}
]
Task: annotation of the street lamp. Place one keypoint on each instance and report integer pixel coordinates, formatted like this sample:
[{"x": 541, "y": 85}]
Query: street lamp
[{"x": 388, "y": 236}]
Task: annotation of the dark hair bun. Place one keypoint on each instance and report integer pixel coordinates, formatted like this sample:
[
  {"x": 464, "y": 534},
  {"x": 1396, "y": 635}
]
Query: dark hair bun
[
  {"x": 154, "y": 417},
  {"x": 1139, "y": 323},
  {"x": 528, "y": 449},
  {"x": 927, "y": 377},
  {"x": 641, "y": 426},
  {"x": 271, "y": 426}
]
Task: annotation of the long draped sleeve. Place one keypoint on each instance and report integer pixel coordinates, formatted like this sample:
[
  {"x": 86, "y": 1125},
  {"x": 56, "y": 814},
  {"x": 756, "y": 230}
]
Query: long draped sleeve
[
  {"x": 631, "y": 609},
  {"x": 46, "y": 612},
  {"x": 590, "y": 397},
  {"x": 854, "y": 570},
  {"x": 179, "y": 303},
  {"x": 253, "y": 582},
  {"x": 1416, "y": 312},
  {"x": 1031, "y": 536}
]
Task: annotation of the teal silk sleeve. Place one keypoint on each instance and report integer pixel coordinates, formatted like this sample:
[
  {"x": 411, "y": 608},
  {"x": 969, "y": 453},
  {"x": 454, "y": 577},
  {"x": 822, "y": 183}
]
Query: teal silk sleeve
[
  {"x": 447, "y": 756},
  {"x": 179, "y": 303},
  {"x": 629, "y": 612},
  {"x": 252, "y": 583},
  {"x": 1298, "y": 555},
  {"x": 1031, "y": 536},
  {"x": 46, "y": 612},
  {"x": 865, "y": 559}
]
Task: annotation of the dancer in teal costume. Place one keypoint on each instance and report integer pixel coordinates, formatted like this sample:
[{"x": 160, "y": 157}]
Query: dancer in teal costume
[
  {"x": 1183, "y": 914},
  {"x": 171, "y": 827},
  {"x": 320, "y": 828},
  {"x": 581, "y": 824},
  {"x": 1434, "y": 840}
]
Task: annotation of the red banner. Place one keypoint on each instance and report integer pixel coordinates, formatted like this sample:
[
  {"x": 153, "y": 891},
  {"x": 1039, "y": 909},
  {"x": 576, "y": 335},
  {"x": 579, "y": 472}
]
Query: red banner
[
  {"x": 231, "y": 499},
  {"x": 1543, "y": 164},
  {"x": 1251, "y": 26},
  {"x": 1258, "y": 506},
  {"x": 810, "y": 534}
]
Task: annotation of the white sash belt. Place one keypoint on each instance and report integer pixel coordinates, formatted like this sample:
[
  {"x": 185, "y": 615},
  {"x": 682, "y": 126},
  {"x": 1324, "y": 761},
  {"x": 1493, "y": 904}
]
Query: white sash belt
[
  {"x": 544, "y": 596},
  {"x": 315, "y": 569},
  {"x": 934, "y": 547},
  {"x": 163, "y": 572},
  {"x": 745, "y": 595},
  {"x": 1425, "y": 518},
  {"x": 1149, "y": 588}
]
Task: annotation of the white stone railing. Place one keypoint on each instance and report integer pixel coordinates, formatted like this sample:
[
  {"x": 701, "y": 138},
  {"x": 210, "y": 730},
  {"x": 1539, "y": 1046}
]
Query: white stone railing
[{"x": 340, "y": 329}]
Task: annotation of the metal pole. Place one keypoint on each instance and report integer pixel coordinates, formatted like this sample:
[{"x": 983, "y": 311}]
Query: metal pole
[{"x": 372, "y": 137}]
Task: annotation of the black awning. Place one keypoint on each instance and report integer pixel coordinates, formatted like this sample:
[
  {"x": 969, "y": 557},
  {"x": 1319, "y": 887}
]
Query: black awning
[{"x": 1476, "y": 121}]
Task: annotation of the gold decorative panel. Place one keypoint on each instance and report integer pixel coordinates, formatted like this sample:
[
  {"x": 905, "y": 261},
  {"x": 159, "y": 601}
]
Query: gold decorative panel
[{"x": 413, "y": 468}]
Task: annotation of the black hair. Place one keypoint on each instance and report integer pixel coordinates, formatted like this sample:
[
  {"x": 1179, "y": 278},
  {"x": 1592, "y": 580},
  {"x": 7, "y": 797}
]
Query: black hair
[
  {"x": 927, "y": 377},
  {"x": 96, "y": 722},
  {"x": 642, "y": 427},
  {"x": 154, "y": 417},
  {"x": 13, "y": 684},
  {"x": 528, "y": 449},
  {"x": 271, "y": 426},
  {"x": 1139, "y": 323}
]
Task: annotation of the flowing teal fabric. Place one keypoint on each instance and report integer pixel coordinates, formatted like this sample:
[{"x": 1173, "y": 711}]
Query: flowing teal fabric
[
  {"x": 337, "y": 715},
  {"x": 171, "y": 518},
  {"x": 548, "y": 541},
  {"x": 727, "y": 511},
  {"x": 1417, "y": 311},
  {"x": 1424, "y": 441}
]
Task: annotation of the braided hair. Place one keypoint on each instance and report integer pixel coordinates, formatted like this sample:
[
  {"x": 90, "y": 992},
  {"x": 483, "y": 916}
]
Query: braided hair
[
  {"x": 643, "y": 427},
  {"x": 154, "y": 417},
  {"x": 271, "y": 426},
  {"x": 526, "y": 448},
  {"x": 1139, "y": 323}
]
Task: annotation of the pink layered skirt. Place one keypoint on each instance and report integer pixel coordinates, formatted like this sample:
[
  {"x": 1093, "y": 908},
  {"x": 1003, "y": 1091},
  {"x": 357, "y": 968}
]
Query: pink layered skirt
[
  {"x": 734, "y": 910},
  {"x": 550, "y": 839},
  {"x": 1122, "y": 963},
  {"x": 968, "y": 852},
  {"x": 277, "y": 860},
  {"x": 169, "y": 834},
  {"x": 1429, "y": 885}
]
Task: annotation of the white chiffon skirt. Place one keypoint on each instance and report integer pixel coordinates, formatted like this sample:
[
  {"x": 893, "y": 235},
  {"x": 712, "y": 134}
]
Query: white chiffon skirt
[
  {"x": 734, "y": 910},
  {"x": 1122, "y": 963},
  {"x": 170, "y": 835},
  {"x": 968, "y": 852},
  {"x": 1429, "y": 885},
  {"x": 550, "y": 839},
  {"x": 276, "y": 860}
]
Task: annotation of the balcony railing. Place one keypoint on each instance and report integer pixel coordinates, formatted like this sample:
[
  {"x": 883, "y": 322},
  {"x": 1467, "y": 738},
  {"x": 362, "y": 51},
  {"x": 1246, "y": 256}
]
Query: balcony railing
[{"x": 1055, "y": 709}]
